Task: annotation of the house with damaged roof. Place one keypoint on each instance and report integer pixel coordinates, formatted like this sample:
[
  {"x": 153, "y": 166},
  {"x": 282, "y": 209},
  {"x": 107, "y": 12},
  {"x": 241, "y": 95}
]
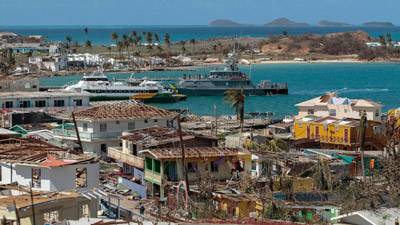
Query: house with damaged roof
[
  {"x": 332, "y": 105},
  {"x": 30, "y": 162},
  {"x": 101, "y": 126},
  {"x": 135, "y": 141},
  {"x": 163, "y": 165}
]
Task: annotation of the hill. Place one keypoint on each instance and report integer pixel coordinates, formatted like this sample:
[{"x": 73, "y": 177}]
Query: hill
[
  {"x": 378, "y": 24},
  {"x": 284, "y": 22},
  {"x": 224, "y": 22},
  {"x": 327, "y": 23}
]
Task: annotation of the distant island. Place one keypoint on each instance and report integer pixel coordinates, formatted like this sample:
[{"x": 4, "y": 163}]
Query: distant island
[
  {"x": 378, "y": 24},
  {"x": 224, "y": 23},
  {"x": 327, "y": 23},
  {"x": 284, "y": 22}
]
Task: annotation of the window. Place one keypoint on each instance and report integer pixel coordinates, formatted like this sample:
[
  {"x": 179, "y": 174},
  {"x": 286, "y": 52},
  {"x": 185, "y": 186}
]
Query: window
[
  {"x": 131, "y": 125},
  {"x": 192, "y": 167},
  {"x": 149, "y": 163},
  {"x": 81, "y": 177},
  {"x": 117, "y": 122},
  {"x": 25, "y": 104},
  {"x": 84, "y": 126},
  {"x": 253, "y": 165},
  {"x": 155, "y": 120},
  {"x": 1, "y": 173},
  {"x": 78, "y": 102},
  {"x": 51, "y": 217},
  {"x": 84, "y": 211},
  {"x": 146, "y": 121},
  {"x": 214, "y": 166},
  {"x": 36, "y": 177},
  {"x": 103, "y": 127},
  {"x": 310, "y": 112},
  {"x": 377, "y": 112},
  {"x": 157, "y": 166},
  {"x": 59, "y": 103},
  {"x": 332, "y": 112},
  {"x": 40, "y": 103},
  {"x": 9, "y": 105},
  {"x": 103, "y": 148}
]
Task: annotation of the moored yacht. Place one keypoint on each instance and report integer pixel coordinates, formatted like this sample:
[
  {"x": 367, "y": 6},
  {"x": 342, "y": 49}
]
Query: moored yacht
[{"x": 101, "y": 88}]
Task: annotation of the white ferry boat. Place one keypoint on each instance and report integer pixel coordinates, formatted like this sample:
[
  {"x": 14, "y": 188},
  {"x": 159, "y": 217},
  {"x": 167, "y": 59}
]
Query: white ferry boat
[{"x": 101, "y": 88}]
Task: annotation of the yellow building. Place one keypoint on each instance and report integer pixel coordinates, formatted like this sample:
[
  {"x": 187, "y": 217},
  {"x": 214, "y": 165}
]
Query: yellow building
[{"x": 330, "y": 132}]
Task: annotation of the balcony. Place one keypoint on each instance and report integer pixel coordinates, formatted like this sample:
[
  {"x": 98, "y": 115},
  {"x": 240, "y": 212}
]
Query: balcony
[
  {"x": 85, "y": 136},
  {"x": 152, "y": 176},
  {"x": 132, "y": 160}
]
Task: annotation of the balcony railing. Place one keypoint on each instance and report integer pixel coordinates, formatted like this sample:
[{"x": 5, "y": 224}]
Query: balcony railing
[
  {"x": 132, "y": 160},
  {"x": 152, "y": 176},
  {"x": 86, "y": 136}
]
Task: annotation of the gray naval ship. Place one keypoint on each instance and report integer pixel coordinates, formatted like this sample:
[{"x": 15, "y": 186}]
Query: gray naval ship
[{"x": 221, "y": 80}]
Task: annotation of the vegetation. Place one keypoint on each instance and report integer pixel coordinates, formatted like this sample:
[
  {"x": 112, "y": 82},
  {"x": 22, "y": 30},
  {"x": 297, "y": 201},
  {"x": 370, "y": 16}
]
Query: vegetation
[{"x": 236, "y": 98}]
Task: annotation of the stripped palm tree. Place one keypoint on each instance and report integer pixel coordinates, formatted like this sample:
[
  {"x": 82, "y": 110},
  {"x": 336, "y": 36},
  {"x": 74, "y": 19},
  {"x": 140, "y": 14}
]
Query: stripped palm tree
[
  {"x": 236, "y": 98},
  {"x": 88, "y": 44},
  {"x": 363, "y": 126}
]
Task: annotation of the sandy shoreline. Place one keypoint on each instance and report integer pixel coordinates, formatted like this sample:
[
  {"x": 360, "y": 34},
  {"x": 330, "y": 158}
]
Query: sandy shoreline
[{"x": 200, "y": 65}]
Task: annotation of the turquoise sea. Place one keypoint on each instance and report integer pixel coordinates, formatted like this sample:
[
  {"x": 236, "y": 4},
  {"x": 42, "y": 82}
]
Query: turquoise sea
[
  {"x": 377, "y": 81},
  {"x": 102, "y": 34}
]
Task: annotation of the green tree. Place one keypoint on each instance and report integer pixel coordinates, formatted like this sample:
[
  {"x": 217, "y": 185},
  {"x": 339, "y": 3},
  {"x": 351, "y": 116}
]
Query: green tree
[
  {"x": 382, "y": 39},
  {"x": 114, "y": 37},
  {"x": 236, "y": 98},
  {"x": 192, "y": 41}
]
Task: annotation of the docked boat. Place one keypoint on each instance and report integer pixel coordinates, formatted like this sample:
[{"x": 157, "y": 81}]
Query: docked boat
[
  {"x": 101, "y": 88},
  {"x": 219, "y": 81}
]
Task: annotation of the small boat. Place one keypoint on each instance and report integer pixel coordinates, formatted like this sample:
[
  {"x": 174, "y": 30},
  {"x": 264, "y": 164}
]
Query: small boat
[{"x": 101, "y": 88}]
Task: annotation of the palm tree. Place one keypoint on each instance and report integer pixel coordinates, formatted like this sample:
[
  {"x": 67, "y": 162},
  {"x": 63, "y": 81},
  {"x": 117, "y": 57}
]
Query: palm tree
[
  {"x": 156, "y": 38},
  {"x": 389, "y": 39},
  {"x": 235, "y": 98},
  {"x": 167, "y": 40},
  {"x": 69, "y": 40},
  {"x": 86, "y": 30},
  {"x": 149, "y": 40},
  {"x": 88, "y": 44},
  {"x": 120, "y": 46},
  {"x": 126, "y": 42},
  {"x": 277, "y": 145},
  {"x": 109, "y": 50},
  {"x": 183, "y": 47},
  {"x": 114, "y": 37},
  {"x": 192, "y": 41}
]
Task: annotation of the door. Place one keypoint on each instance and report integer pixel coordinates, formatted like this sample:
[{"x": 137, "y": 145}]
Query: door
[
  {"x": 308, "y": 132},
  {"x": 170, "y": 171}
]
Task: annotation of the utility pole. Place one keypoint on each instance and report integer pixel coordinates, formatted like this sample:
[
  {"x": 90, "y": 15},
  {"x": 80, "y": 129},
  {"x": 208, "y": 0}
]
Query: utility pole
[
  {"x": 32, "y": 205},
  {"x": 184, "y": 169},
  {"x": 216, "y": 120},
  {"x": 16, "y": 213},
  {"x": 363, "y": 125},
  {"x": 77, "y": 132}
]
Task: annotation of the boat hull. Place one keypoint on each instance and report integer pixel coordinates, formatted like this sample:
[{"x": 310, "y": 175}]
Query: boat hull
[
  {"x": 221, "y": 91},
  {"x": 159, "y": 98}
]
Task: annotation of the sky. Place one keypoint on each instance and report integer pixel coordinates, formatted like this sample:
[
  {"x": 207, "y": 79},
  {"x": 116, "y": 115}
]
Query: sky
[{"x": 192, "y": 12}]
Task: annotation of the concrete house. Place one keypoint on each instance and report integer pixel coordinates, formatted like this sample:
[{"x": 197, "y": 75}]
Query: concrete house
[
  {"x": 30, "y": 162},
  {"x": 101, "y": 126},
  {"x": 340, "y": 107},
  {"x": 164, "y": 165}
]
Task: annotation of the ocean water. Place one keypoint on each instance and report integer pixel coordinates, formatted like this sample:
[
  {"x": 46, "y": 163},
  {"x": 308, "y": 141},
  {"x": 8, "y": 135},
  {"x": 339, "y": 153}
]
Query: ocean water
[
  {"x": 102, "y": 34},
  {"x": 376, "y": 81}
]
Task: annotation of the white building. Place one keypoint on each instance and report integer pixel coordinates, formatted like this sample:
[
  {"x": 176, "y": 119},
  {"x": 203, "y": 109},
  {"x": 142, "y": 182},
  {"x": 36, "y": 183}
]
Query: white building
[
  {"x": 57, "y": 100},
  {"x": 31, "y": 162},
  {"x": 101, "y": 126},
  {"x": 340, "y": 108},
  {"x": 85, "y": 59},
  {"x": 53, "y": 63}
]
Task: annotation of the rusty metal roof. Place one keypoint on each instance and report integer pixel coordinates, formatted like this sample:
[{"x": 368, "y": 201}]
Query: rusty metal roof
[
  {"x": 122, "y": 110},
  {"x": 36, "y": 152},
  {"x": 197, "y": 152}
]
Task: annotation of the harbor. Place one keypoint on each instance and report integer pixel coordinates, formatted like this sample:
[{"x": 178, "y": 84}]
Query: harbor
[{"x": 280, "y": 122}]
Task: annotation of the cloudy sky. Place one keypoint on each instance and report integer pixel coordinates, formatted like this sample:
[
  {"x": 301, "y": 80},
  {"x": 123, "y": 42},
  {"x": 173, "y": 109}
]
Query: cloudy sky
[{"x": 192, "y": 12}]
